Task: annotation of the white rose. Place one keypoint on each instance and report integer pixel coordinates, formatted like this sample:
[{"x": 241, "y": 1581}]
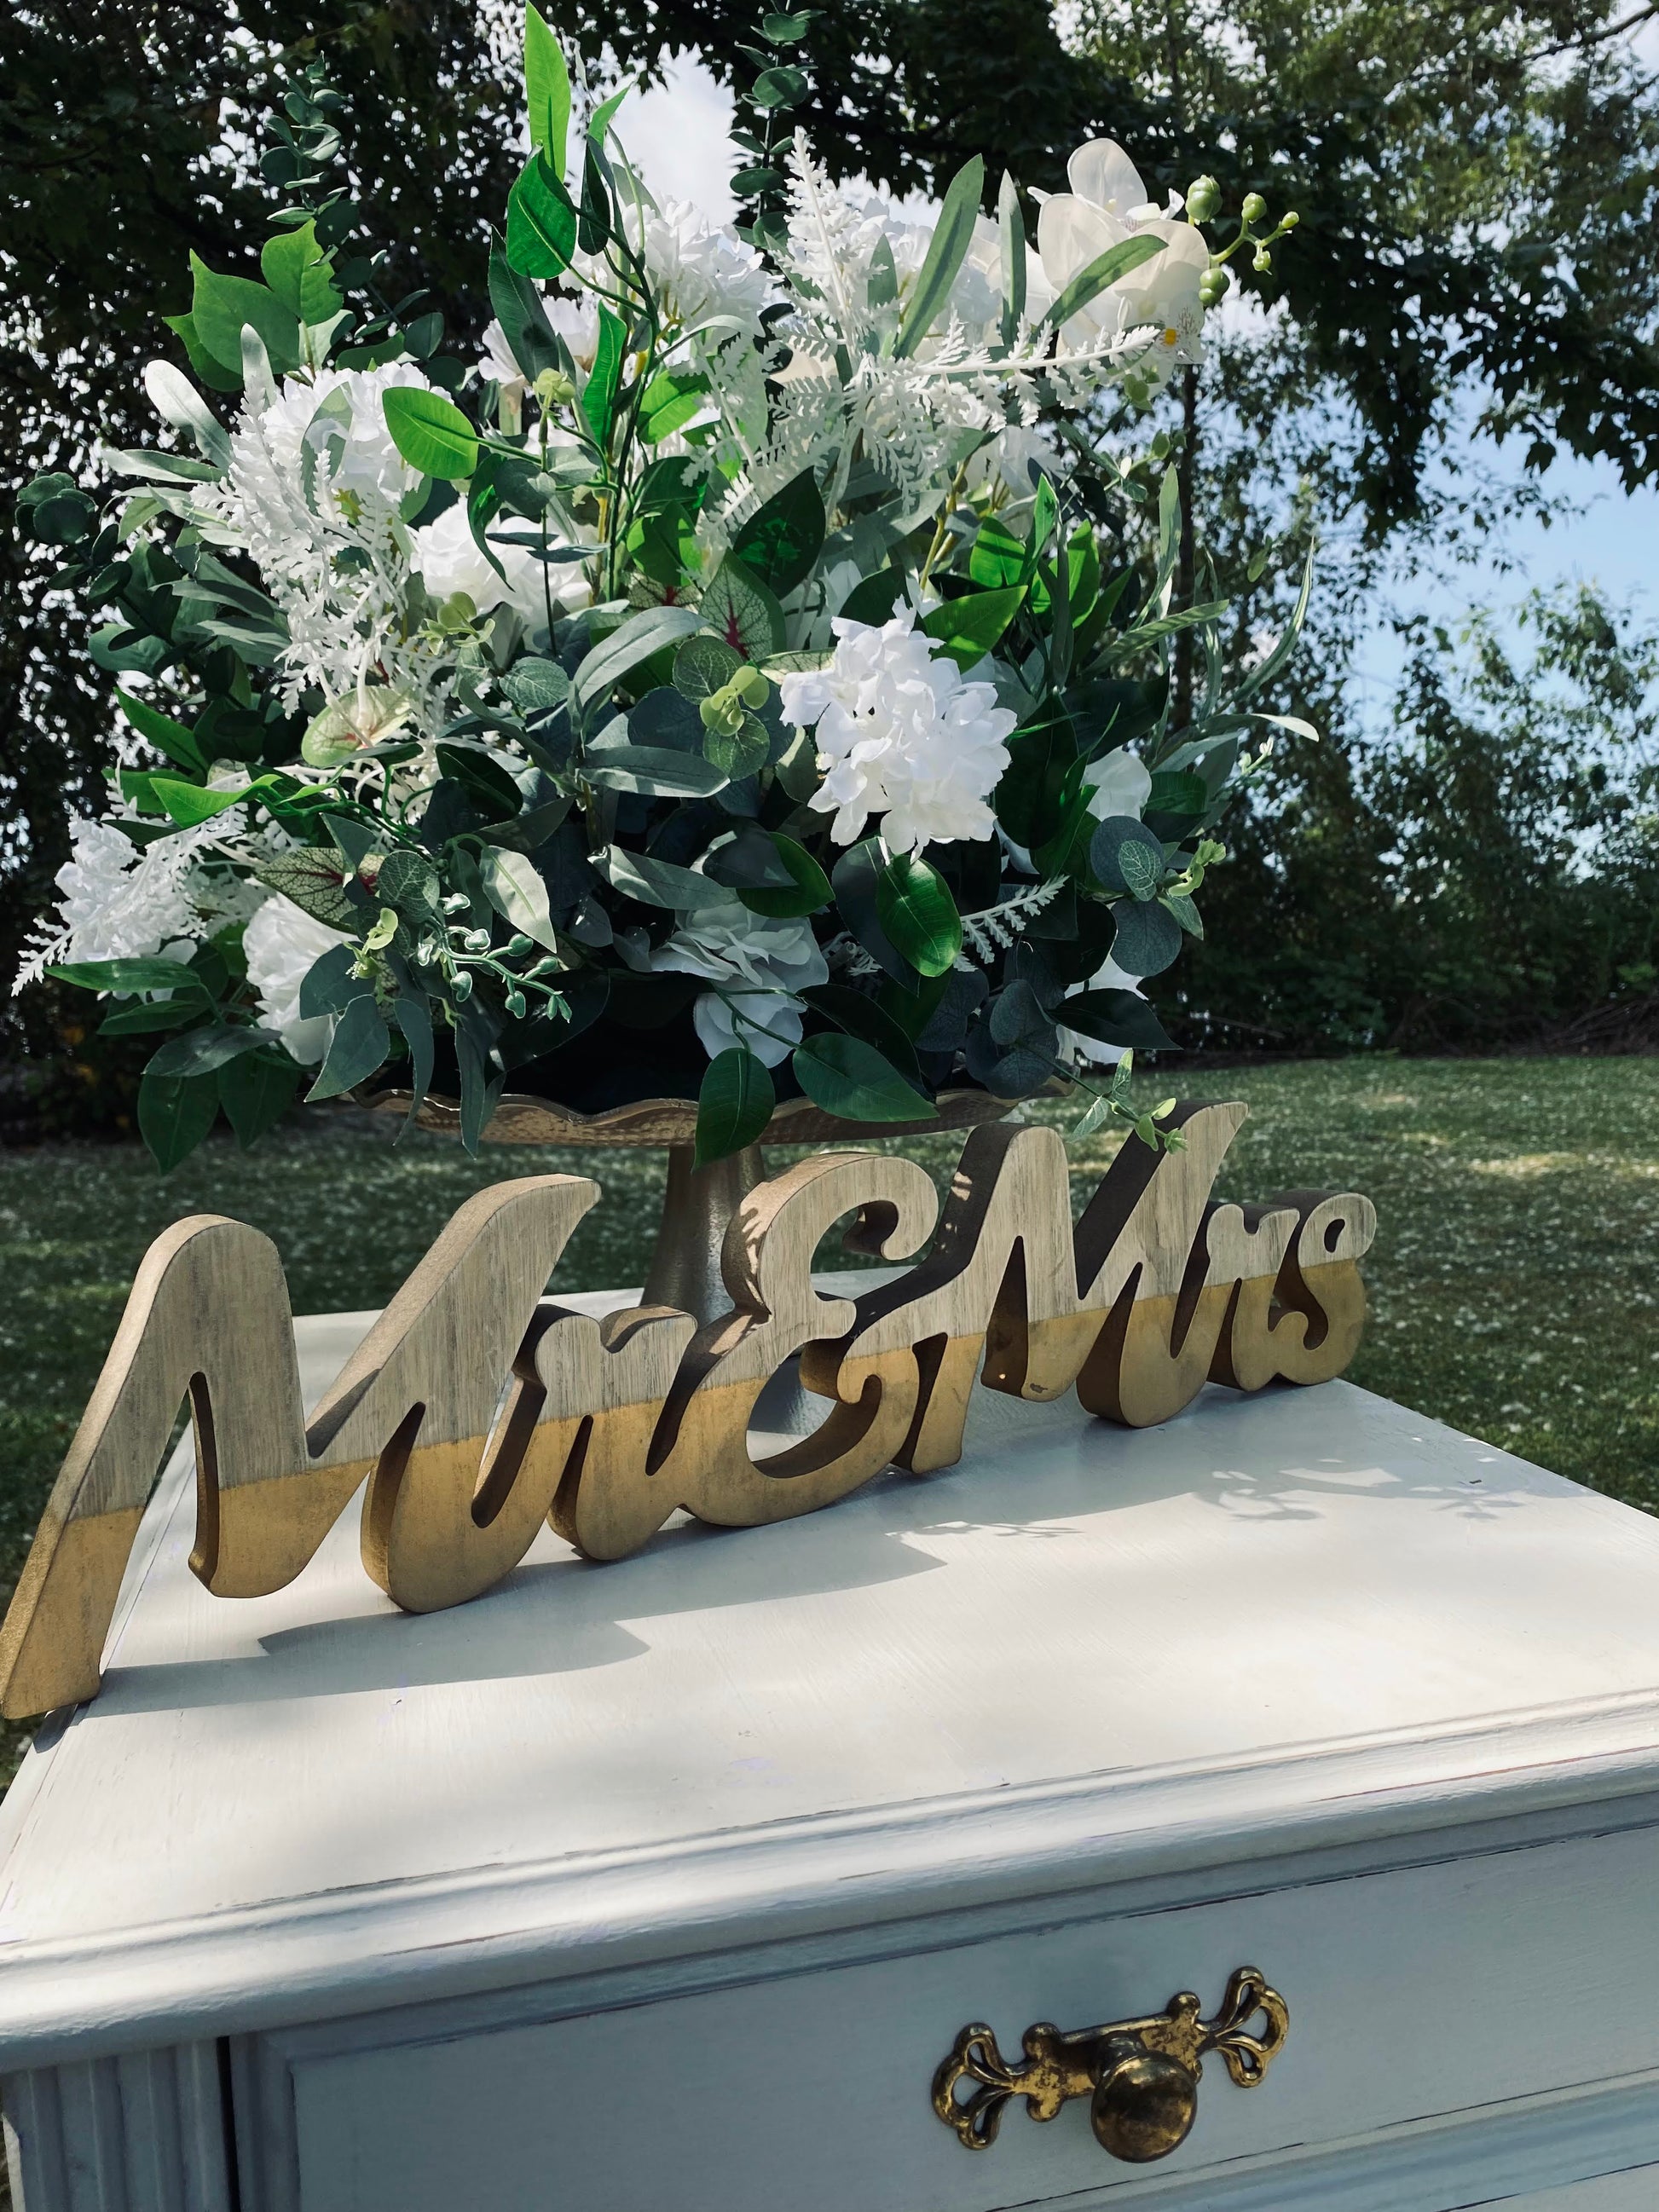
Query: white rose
[
  {"x": 1123, "y": 783},
  {"x": 282, "y": 944},
  {"x": 759, "y": 962},
  {"x": 450, "y": 560}
]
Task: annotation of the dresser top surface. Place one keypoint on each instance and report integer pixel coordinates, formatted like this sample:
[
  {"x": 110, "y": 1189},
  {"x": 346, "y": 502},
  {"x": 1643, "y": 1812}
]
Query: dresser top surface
[{"x": 1273, "y": 1609}]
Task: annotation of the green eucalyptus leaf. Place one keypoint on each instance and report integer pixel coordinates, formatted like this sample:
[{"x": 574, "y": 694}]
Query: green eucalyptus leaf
[
  {"x": 704, "y": 665},
  {"x": 734, "y": 1104},
  {"x": 740, "y": 752},
  {"x": 1148, "y": 937},
  {"x": 1124, "y": 854}
]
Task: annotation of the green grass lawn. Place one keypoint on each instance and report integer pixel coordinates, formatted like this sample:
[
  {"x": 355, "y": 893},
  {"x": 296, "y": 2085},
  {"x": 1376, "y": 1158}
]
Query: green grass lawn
[{"x": 1517, "y": 1202}]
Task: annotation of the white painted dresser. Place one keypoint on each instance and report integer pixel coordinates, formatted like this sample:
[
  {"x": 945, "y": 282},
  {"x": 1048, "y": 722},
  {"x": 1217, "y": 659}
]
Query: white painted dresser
[{"x": 665, "y": 1886}]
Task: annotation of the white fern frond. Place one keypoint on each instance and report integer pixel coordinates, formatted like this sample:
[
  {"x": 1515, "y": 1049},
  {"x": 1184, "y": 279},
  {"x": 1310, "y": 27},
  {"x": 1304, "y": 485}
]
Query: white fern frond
[{"x": 998, "y": 929}]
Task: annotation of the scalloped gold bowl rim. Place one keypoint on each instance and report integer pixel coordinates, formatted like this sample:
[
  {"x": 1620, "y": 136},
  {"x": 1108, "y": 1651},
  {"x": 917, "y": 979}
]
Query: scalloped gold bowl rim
[{"x": 522, "y": 1119}]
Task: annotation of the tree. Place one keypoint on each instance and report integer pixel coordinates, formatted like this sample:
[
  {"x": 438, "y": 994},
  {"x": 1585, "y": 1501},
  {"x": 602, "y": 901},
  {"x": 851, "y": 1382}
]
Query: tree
[{"x": 128, "y": 138}]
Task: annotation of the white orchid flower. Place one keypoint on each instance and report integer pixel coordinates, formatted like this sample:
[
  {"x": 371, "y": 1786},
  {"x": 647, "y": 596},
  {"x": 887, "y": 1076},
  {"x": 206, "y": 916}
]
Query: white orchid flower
[{"x": 1106, "y": 204}]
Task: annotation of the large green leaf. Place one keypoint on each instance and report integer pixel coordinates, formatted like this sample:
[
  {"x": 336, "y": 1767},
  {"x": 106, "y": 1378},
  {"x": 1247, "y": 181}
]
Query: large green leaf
[
  {"x": 359, "y": 1044},
  {"x": 970, "y": 627},
  {"x": 167, "y": 736},
  {"x": 914, "y": 907},
  {"x": 734, "y": 1104},
  {"x": 657, "y": 882},
  {"x": 190, "y": 803},
  {"x": 810, "y": 893},
  {"x": 783, "y": 539},
  {"x": 655, "y": 771},
  {"x": 204, "y": 1049},
  {"x": 256, "y": 1091},
  {"x": 671, "y": 400},
  {"x": 523, "y": 319},
  {"x": 1119, "y": 1018},
  {"x": 175, "y": 1112},
  {"x": 605, "y": 377},
  {"x": 547, "y": 90},
  {"x": 221, "y": 305},
  {"x": 633, "y": 641},
  {"x": 742, "y": 612},
  {"x": 851, "y": 1079},
  {"x": 128, "y": 976},
  {"x": 301, "y": 275},
  {"x": 209, "y": 371},
  {"x": 430, "y": 432},
  {"x": 1012, "y": 227},
  {"x": 541, "y": 222},
  {"x": 1129, "y": 254},
  {"x": 953, "y": 235},
  {"x": 514, "y": 887}
]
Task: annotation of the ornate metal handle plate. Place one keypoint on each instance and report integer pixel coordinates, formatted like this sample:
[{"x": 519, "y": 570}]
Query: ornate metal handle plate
[{"x": 1140, "y": 2076}]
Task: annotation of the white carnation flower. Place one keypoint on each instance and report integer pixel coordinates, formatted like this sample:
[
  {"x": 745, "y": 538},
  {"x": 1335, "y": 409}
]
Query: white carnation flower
[
  {"x": 282, "y": 944},
  {"x": 759, "y": 963},
  {"x": 900, "y": 734}
]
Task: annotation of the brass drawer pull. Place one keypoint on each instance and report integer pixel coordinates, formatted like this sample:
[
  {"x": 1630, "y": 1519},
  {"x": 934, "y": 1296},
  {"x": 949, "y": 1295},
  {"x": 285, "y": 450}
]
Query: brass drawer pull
[{"x": 1140, "y": 2076}]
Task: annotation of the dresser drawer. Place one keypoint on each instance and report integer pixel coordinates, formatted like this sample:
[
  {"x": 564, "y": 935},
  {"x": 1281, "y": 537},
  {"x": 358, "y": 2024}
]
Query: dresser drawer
[{"x": 1421, "y": 1999}]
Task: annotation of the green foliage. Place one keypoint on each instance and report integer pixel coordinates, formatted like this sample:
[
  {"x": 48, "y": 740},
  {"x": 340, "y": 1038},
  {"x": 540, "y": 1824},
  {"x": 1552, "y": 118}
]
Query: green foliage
[
  {"x": 1488, "y": 876},
  {"x": 734, "y": 1104}
]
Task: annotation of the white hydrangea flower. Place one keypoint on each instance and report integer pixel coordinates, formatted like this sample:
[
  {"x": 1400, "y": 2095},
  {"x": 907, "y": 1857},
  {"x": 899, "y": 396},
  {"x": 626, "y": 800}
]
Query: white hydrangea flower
[
  {"x": 901, "y": 735},
  {"x": 282, "y": 944},
  {"x": 1108, "y": 203},
  {"x": 759, "y": 962}
]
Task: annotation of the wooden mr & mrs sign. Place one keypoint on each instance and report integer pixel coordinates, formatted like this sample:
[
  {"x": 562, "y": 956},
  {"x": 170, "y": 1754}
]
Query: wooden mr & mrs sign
[{"x": 477, "y": 1409}]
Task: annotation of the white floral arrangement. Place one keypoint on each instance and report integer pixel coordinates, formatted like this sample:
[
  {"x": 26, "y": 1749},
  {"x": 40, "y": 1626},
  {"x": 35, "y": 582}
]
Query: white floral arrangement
[{"x": 743, "y": 668}]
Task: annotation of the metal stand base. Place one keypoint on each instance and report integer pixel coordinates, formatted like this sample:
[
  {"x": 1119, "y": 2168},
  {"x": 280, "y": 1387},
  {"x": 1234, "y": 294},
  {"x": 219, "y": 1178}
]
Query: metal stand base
[{"x": 685, "y": 1271}]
